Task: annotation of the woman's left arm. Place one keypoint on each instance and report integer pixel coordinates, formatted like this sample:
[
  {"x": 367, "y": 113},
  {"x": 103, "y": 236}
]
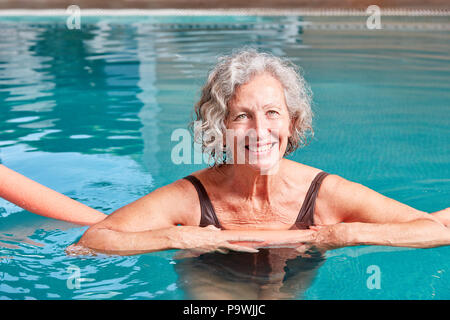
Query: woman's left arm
[
  {"x": 370, "y": 218},
  {"x": 420, "y": 233}
]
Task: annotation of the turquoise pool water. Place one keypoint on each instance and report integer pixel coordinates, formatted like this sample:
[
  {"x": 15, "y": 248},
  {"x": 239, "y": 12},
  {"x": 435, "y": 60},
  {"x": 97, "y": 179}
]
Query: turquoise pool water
[{"x": 90, "y": 113}]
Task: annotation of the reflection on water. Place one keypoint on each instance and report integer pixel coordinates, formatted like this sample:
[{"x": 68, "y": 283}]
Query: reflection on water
[{"x": 269, "y": 274}]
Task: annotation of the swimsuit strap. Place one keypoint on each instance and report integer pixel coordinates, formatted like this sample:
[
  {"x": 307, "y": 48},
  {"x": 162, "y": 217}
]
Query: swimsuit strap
[
  {"x": 305, "y": 217},
  {"x": 208, "y": 214}
]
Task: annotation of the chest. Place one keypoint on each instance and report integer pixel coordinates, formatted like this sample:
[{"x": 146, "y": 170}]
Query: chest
[{"x": 235, "y": 213}]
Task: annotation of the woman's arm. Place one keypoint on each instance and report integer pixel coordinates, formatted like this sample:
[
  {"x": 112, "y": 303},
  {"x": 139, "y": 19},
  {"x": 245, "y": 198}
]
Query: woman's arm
[
  {"x": 420, "y": 233},
  {"x": 370, "y": 218},
  {"x": 208, "y": 239},
  {"x": 443, "y": 216},
  {"x": 348, "y": 201},
  {"x": 168, "y": 218},
  {"x": 44, "y": 201},
  {"x": 108, "y": 241}
]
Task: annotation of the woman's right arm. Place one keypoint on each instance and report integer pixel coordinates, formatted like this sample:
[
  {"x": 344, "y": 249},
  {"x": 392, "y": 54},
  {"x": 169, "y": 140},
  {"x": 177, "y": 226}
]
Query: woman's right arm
[
  {"x": 163, "y": 219},
  {"x": 207, "y": 239},
  {"x": 144, "y": 225}
]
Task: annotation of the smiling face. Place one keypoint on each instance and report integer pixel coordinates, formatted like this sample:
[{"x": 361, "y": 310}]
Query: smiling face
[{"x": 258, "y": 118}]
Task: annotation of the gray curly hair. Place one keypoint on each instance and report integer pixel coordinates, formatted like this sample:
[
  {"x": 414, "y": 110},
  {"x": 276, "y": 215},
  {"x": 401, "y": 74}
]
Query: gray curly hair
[{"x": 235, "y": 70}]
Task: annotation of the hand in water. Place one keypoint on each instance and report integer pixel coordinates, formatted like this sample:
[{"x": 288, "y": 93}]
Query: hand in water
[
  {"x": 212, "y": 239},
  {"x": 443, "y": 216},
  {"x": 300, "y": 241},
  {"x": 330, "y": 237}
]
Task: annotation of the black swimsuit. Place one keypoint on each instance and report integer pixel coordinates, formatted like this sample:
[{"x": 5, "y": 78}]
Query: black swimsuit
[
  {"x": 305, "y": 217},
  {"x": 252, "y": 268}
]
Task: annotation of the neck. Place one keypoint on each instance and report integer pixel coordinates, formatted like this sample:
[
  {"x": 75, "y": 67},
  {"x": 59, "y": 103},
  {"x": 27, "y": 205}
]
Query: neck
[{"x": 253, "y": 184}]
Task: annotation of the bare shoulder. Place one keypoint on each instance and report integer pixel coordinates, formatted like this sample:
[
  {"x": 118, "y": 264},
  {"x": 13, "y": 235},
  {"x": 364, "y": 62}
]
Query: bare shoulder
[
  {"x": 335, "y": 197},
  {"x": 324, "y": 212},
  {"x": 302, "y": 173},
  {"x": 181, "y": 199},
  {"x": 165, "y": 206}
]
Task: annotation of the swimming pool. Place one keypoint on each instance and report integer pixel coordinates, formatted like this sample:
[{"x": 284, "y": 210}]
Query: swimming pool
[{"x": 89, "y": 112}]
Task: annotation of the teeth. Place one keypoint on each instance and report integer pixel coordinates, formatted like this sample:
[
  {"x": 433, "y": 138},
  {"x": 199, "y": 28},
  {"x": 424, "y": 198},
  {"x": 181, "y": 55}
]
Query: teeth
[{"x": 260, "y": 149}]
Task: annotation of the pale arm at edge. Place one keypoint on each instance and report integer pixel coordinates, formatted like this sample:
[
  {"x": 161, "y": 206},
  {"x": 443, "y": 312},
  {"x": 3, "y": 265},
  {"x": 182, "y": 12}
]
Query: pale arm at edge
[{"x": 41, "y": 200}]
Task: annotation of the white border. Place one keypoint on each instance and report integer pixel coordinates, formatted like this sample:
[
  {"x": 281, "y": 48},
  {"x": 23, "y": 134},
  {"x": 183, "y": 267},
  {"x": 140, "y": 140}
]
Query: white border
[{"x": 225, "y": 12}]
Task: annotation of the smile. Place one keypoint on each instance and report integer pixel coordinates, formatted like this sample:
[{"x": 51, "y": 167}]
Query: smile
[{"x": 261, "y": 149}]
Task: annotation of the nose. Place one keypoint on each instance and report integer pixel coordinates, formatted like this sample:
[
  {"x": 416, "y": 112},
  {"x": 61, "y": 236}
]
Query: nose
[{"x": 261, "y": 127}]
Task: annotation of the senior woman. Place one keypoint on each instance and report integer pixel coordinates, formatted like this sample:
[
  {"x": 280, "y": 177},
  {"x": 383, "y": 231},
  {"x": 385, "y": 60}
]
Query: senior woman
[{"x": 255, "y": 109}]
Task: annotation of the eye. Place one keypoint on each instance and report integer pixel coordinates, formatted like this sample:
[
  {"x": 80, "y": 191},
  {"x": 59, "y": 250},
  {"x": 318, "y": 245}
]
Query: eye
[
  {"x": 241, "y": 116},
  {"x": 272, "y": 112}
]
